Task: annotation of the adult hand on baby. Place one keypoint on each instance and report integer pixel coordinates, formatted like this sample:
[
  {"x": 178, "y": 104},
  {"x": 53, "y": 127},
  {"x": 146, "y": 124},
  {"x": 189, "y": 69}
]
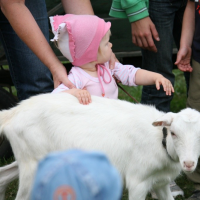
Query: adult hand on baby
[
  {"x": 167, "y": 86},
  {"x": 59, "y": 74},
  {"x": 183, "y": 59},
  {"x": 83, "y": 95},
  {"x": 112, "y": 61}
]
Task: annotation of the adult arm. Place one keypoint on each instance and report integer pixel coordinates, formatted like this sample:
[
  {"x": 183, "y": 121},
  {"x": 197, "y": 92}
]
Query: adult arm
[
  {"x": 188, "y": 28},
  {"x": 27, "y": 29},
  {"x": 188, "y": 25},
  {"x": 78, "y": 7},
  {"x": 143, "y": 29}
]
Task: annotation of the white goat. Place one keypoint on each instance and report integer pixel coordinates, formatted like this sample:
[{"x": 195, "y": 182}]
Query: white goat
[{"x": 123, "y": 131}]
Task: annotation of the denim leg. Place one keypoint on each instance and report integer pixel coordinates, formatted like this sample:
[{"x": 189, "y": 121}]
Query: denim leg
[
  {"x": 30, "y": 76},
  {"x": 162, "y": 13}
]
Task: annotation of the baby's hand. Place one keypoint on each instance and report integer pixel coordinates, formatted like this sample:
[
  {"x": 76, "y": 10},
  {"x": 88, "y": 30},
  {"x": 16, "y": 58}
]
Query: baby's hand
[
  {"x": 83, "y": 95},
  {"x": 167, "y": 86}
]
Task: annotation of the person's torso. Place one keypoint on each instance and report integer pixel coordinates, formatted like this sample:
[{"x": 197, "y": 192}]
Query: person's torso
[{"x": 93, "y": 84}]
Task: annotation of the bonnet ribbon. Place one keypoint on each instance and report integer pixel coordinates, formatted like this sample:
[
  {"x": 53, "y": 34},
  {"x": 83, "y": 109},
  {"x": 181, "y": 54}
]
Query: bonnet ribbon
[{"x": 101, "y": 72}]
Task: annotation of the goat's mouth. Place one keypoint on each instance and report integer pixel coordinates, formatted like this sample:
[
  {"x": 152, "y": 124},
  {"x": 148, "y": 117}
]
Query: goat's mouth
[
  {"x": 188, "y": 170},
  {"x": 188, "y": 165}
]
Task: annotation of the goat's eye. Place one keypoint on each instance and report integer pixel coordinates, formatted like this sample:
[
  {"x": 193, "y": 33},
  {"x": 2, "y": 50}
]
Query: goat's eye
[{"x": 173, "y": 134}]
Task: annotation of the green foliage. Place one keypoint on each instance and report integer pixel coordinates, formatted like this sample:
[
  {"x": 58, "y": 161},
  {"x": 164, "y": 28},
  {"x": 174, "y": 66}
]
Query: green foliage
[{"x": 180, "y": 95}]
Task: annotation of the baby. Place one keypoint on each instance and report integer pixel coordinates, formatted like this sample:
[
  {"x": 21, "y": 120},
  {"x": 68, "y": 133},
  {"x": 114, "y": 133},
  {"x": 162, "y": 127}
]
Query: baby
[{"x": 84, "y": 41}]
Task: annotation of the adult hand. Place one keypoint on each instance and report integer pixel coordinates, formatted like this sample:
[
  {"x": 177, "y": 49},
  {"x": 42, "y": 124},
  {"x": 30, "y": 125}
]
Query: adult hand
[
  {"x": 143, "y": 33},
  {"x": 112, "y": 65},
  {"x": 60, "y": 76},
  {"x": 183, "y": 59},
  {"x": 112, "y": 61}
]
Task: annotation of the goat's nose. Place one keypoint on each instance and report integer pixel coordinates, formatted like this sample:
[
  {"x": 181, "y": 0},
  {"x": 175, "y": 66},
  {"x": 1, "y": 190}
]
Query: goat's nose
[{"x": 188, "y": 164}]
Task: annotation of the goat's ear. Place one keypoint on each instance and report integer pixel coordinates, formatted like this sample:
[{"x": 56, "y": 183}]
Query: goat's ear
[{"x": 165, "y": 120}]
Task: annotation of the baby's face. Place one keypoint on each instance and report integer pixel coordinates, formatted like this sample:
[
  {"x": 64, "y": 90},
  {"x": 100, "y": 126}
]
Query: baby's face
[{"x": 105, "y": 49}]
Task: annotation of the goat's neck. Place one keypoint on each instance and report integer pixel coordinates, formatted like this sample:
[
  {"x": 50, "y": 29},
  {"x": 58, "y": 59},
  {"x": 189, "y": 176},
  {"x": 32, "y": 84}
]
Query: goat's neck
[
  {"x": 170, "y": 149},
  {"x": 167, "y": 143}
]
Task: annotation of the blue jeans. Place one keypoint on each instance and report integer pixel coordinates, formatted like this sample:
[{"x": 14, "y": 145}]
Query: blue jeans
[
  {"x": 30, "y": 76},
  {"x": 167, "y": 16}
]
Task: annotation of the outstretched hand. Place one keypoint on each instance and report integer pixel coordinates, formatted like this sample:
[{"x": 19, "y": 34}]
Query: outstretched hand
[
  {"x": 183, "y": 59},
  {"x": 143, "y": 33},
  {"x": 167, "y": 85}
]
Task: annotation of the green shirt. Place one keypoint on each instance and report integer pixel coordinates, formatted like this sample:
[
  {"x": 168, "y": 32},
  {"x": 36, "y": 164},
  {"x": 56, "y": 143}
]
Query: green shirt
[{"x": 132, "y": 9}]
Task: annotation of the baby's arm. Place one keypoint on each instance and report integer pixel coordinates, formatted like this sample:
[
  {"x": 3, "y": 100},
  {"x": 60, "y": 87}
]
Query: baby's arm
[
  {"x": 82, "y": 95},
  {"x": 132, "y": 76},
  {"x": 125, "y": 73},
  {"x": 144, "y": 77},
  {"x": 60, "y": 88}
]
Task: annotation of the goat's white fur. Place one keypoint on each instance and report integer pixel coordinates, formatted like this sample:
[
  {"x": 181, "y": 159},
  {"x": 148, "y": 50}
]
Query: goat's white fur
[{"x": 122, "y": 130}]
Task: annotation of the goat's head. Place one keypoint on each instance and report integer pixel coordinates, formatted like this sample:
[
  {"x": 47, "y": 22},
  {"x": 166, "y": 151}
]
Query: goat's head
[{"x": 183, "y": 137}]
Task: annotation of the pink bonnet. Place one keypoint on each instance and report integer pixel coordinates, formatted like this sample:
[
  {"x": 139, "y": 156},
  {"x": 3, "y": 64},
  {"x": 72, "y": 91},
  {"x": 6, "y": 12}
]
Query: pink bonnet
[{"x": 79, "y": 36}]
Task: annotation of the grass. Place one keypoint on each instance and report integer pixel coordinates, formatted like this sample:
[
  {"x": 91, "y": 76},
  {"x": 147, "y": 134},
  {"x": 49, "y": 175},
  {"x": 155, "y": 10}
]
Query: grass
[{"x": 178, "y": 103}]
